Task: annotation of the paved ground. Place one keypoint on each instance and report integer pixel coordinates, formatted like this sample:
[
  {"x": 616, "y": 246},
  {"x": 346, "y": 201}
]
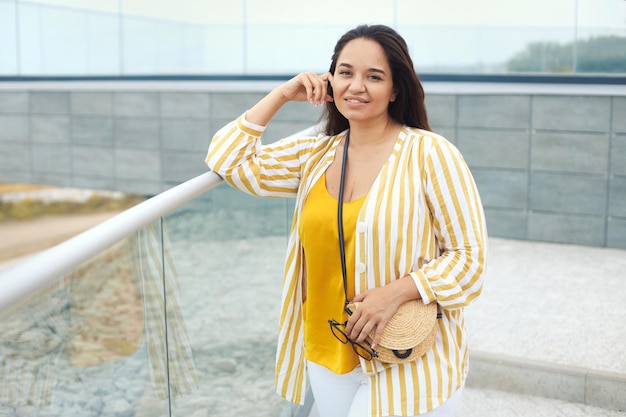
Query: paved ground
[{"x": 495, "y": 403}]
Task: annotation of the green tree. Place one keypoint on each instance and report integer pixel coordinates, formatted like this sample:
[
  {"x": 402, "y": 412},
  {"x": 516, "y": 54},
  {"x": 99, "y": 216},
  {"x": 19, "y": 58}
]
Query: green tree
[{"x": 606, "y": 54}]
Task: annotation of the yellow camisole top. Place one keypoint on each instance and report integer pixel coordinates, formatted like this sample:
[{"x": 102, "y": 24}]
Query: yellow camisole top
[{"x": 319, "y": 235}]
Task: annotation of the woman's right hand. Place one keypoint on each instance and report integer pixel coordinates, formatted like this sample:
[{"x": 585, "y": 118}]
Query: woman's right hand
[{"x": 307, "y": 86}]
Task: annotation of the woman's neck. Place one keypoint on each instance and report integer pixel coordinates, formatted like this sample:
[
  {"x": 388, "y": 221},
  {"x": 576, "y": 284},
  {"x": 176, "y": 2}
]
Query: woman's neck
[{"x": 372, "y": 134}]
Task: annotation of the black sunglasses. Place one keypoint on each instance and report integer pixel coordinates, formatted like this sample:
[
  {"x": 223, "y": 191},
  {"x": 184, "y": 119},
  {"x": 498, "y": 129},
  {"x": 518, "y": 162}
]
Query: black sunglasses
[{"x": 363, "y": 351}]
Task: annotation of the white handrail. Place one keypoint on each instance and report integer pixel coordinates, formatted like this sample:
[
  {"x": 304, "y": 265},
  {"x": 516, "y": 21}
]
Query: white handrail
[{"x": 36, "y": 271}]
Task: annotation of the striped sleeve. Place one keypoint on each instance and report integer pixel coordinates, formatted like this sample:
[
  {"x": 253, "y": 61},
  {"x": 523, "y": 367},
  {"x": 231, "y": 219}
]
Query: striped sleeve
[
  {"x": 237, "y": 155},
  {"x": 455, "y": 278}
]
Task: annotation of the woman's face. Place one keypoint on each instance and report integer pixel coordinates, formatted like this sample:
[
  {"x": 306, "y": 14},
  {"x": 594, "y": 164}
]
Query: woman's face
[{"x": 362, "y": 82}]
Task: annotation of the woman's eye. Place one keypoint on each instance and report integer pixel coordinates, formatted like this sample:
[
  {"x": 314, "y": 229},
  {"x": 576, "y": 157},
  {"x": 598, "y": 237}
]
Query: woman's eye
[{"x": 344, "y": 72}]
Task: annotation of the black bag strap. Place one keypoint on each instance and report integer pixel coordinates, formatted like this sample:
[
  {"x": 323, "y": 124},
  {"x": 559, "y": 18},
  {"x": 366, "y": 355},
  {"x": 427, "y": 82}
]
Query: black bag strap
[{"x": 342, "y": 248}]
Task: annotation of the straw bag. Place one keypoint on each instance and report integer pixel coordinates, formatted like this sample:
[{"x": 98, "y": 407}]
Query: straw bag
[
  {"x": 411, "y": 332},
  {"x": 408, "y": 335}
]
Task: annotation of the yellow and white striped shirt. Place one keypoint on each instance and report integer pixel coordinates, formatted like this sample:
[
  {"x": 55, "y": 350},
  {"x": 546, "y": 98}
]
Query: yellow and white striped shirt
[{"x": 423, "y": 216}]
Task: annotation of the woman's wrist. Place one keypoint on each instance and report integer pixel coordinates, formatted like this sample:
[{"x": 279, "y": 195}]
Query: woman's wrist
[
  {"x": 262, "y": 112},
  {"x": 404, "y": 290}
]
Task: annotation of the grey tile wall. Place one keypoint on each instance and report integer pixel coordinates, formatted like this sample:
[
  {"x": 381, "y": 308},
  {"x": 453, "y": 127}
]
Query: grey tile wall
[
  {"x": 54, "y": 159},
  {"x": 58, "y": 180},
  {"x": 616, "y": 233},
  {"x": 563, "y": 228},
  {"x": 571, "y": 113},
  {"x": 228, "y": 106},
  {"x": 494, "y": 148},
  {"x": 136, "y": 104},
  {"x": 278, "y": 129},
  {"x": 447, "y": 132},
  {"x": 183, "y": 134},
  {"x": 135, "y": 132},
  {"x": 506, "y": 189},
  {"x": 441, "y": 111},
  {"x": 93, "y": 161},
  {"x": 49, "y": 102},
  {"x": 572, "y": 194},
  {"x": 94, "y": 182},
  {"x": 14, "y": 128},
  {"x": 92, "y": 130},
  {"x": 501, "y": 111},
  {"x": 619, "y": 114},
  {"x": 138, "y": 164},
  {"x": 50, "y": 129},
  {"x": 299, "y": 112},
  {"x": 570, "y": 152},
  {"x": 512, "y": 224},
  {"x": 16, "y": 158},
  {"x": 14, "y": 102},
  {"x": 185, "y": 105},
  {"x": 178, "y": 166},
  {"x": 618, "y": 155},
  {"x": 92, "y": 103},
  {"x": 617, "y": 199},
  {"x": 548, "y": 168}
]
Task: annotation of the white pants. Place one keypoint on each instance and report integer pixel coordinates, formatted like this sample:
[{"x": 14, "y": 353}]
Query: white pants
[{"x": 347, "y": 395}]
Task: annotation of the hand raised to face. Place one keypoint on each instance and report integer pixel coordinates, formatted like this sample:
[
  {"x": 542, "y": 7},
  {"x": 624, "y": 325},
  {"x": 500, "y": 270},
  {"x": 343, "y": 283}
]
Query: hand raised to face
[{"x": 307, "y": 86}]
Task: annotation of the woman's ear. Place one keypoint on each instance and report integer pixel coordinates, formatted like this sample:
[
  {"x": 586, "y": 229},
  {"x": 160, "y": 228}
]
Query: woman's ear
[{"x": 393, "y": 96}]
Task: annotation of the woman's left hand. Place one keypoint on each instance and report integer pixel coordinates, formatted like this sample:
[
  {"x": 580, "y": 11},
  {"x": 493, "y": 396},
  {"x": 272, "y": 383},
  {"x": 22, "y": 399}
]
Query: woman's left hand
[{"x": 377, "y": 307}]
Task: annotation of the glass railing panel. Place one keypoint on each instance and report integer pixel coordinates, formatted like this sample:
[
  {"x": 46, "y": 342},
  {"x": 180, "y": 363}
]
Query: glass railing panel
[
  {"x": 479, "y": 49},
  {"x": 8, "y": 39},
  {"x": 103, "y": 44},
  {"x": 219, "y": 42},
  {"x": 30, "y": 48},
  {"x": 310, "y": 47},
  {"x": 223, "y": 297},
  {"x": 81, "y": 347},
  {"x": 45, "y": 39},
  {"x": 155, "y": 47}
]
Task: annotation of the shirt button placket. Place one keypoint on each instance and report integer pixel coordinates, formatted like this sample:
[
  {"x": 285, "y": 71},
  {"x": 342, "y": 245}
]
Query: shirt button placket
[{"x": 361, "y": 227}]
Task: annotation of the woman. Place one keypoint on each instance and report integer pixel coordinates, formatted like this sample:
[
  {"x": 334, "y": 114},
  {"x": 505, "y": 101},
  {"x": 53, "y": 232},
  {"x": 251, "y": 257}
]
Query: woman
[{"x": 413, "y": 229}]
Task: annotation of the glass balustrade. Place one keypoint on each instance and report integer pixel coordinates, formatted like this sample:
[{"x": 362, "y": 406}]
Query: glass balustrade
[
  {"x": 48, "y": 40},
  {"x": 228, "y": 250},
  {"x": 179, "y": 319},
  {"x": 79, "y": 347}
]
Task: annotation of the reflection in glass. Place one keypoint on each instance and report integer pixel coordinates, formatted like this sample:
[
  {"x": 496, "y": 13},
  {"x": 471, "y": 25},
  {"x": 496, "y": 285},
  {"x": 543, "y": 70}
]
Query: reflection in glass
[
  {"x": 171, "y": 360},
  {"x": 229, "y": 250},
  {"x": 166, "y": 322},
  {"x": 77, "y": 348}
]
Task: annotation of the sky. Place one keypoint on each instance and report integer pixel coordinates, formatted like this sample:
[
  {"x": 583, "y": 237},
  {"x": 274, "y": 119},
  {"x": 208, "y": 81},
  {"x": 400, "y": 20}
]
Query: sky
[{"x": 556, "y": 13}]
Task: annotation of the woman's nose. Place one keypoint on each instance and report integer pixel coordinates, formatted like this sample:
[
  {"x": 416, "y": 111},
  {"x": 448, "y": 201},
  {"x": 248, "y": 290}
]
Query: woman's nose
[{"x": 357, "y": 84}]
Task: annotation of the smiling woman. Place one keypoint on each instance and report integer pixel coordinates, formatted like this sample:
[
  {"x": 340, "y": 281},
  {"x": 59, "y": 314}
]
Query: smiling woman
[{"x": 402, "y": 210}]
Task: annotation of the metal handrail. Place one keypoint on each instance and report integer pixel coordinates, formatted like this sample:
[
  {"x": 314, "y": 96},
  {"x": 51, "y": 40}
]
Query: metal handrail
[{"x": 33, "y": 273}]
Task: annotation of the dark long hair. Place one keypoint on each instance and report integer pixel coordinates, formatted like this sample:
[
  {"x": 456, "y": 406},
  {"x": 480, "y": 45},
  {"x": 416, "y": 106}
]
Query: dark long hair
[{"x": 408, "y": 108}]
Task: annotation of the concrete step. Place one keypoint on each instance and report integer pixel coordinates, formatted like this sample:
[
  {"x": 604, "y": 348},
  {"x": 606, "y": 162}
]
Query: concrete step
[
  {"x": 606, "y": 390},
  {"x": 550, "y": 322},
  {"x": 497, "y": 403}
]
